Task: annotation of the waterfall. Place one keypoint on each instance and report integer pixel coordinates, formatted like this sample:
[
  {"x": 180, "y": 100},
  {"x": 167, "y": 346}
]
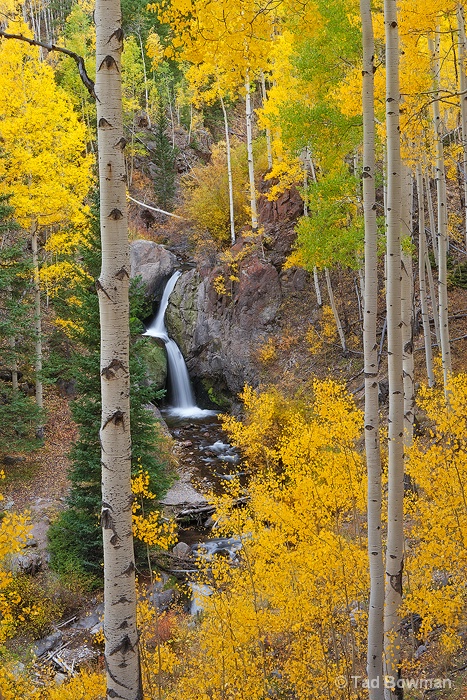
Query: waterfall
[{"x": 184, "y": 404}]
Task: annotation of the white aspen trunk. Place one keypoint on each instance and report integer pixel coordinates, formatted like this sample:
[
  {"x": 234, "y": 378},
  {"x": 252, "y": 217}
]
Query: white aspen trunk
[
  {"x": 395, "y": 528},
  {"x": 370, "y": 351},
  {"x": 442, "y": 220},
  {"x": 145, "y": 78},
  {"x": 308, "y": 161},
  {"x": 422, "y": 278},
  {"x": 249, "y": 143},
  {"x": 332, "y": 302},
  {"x": 463, "y": 102},
  {"x": 431, "y": 217},
  {"x": 229, "y": 172},
  {"x": 264, "y": 95},
  {"x": 37, "y": 316},
  {"x": 407, "y": 310},
  {"x": 191, "y": 125},
  {"x": 120, "y": 632}
]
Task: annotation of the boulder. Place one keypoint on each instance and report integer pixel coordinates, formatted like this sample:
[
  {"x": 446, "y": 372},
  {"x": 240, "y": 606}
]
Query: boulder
[
  {"x": 218, "y": 335},
  {"x": 153, "y": 262},
  {"x": 28, "y": 563}
]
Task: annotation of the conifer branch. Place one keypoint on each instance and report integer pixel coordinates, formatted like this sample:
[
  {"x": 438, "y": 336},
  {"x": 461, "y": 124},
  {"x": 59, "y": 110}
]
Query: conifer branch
[{"x": 79, "y": 60}]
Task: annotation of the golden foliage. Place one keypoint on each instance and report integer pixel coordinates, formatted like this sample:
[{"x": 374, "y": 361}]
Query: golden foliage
[
  {"x": 437, "y": 552},
  {"x": 289, "y": 618},
  {"x": 150, "y": 528}
]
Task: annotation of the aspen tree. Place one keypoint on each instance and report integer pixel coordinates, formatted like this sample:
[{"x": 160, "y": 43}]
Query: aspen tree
[
  {"x": 461, "y": 53},
  {"x": 121, "y": 636},
  {"x": 395, "y": 530},
  {"x": 422, "y": 262},
  {"x": 407, "y": 306},
  {"x": 370, "y": 349},
  {"x": 442, "y": 217}
]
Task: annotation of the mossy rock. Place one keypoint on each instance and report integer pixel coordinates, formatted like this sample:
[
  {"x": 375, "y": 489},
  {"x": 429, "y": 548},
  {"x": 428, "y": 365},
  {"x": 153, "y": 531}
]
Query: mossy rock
[{"x": 155, "y": 362}]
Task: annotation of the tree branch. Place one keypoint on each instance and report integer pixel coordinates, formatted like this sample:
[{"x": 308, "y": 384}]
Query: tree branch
[{"x": 79, "y": 60}]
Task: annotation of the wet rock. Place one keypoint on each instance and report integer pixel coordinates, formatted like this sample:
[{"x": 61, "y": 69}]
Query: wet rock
[
  {"x": 28, "y": 563},
  {"x": 163, "y": 599},
  {"x": 153, "y": 263},
  {"x": 181, "y": 550},
  {"x": 47, "y": 644}
]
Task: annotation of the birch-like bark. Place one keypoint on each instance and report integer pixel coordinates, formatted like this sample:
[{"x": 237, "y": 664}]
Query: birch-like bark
[
  {"x": 431, "y": 284},
  {"x": 145, "y": 78},
  {"x": 37, "y": 317},
  {"x": 395, "y": 529},
  {"x": 121, "y": 636},
  {"x": 407, "y": 288},
  {"x": 249, "y": 144},
  {"x": 462, "y": 49},
  {"x": 422, "y": 277},
  {"x": 332, "y": 302},
  {"x": 229, "y": 172},
  {"x": 264, "y": 96},
  {"x": 442, "y": 219},
  {"x": 431, "y": 217},
  {"x": 370, "y": 351},
  {"x": 308, "y": 164}
]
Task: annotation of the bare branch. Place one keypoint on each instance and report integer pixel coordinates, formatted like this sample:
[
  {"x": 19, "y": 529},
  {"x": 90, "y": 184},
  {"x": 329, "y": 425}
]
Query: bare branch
[{"x": 79, "y": 60}]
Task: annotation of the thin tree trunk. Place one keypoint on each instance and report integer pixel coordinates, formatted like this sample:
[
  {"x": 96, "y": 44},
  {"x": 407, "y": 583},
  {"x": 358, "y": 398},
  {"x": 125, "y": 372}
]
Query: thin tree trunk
[
  {"x": 370, "y": 350},
  {"x": 431, "y": 217},
  {"x": 264, "y": 95},
  {"x": 407, "y": 310},
  {"x": 332, "y": 302},
  {"x": 120, "y": 632},
  {"x": 395, "y": 530},
  {"x": 229, "y": 172},
  {"x": 145, "y": 77},
  {"x": 422, "y": 277},
  {"x": 249, "y": 143},
  {"x": 308, "y": 163},
  {"x": 37, "y": 317},
  {"x": 442, "y": 221},
  {"x": 463, "y": 103}
]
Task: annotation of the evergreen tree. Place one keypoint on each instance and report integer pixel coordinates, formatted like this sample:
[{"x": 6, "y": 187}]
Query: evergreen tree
[
  {"x": 19, "y": 415},
  {"x": 164, "y": 159},
  {"x": 76, "y": 537}
]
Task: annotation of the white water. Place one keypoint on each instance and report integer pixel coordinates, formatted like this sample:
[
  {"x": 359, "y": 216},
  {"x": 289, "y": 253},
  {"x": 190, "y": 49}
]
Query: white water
[{"x": 184, "y": 404}]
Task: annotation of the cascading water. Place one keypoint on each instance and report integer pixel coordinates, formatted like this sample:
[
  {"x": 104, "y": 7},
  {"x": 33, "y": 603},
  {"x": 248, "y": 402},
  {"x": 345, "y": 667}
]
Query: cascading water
[{"x": 184, "y": 404}]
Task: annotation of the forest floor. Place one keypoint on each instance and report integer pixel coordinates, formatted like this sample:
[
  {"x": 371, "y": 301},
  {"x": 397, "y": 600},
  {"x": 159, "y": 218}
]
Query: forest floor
[{"x": 38, "y": 482}]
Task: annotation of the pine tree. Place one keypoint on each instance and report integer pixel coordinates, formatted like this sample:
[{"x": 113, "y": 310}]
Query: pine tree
[{"x": 164, "y": 159}]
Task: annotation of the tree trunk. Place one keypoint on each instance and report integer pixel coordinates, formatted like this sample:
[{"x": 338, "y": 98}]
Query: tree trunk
[
  {"x": 442, "y": 220},
  {"x": 431, "y": 218},
  {"x": 308, "y": 163},
  {"x": 422, "y": 278},
  {"x": 370, "y": 350},
  {"x": 407, "y": 310},
  {"x": 332, "y": 302},
  {"x": 249, "y": 143},
  {"x": 37, "y": 317},
  {"x": 229, "y": 173},
  {"x": 395, "y": 534},
  {"x": 463, "y": 103},
  {"x": 264, "y": 95},
  {"x": 121, "y": 636}
]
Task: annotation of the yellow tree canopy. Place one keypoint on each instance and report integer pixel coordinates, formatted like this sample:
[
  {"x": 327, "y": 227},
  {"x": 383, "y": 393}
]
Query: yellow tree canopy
[{"x": 43, "y": 163}]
